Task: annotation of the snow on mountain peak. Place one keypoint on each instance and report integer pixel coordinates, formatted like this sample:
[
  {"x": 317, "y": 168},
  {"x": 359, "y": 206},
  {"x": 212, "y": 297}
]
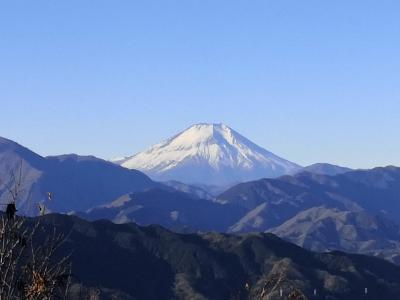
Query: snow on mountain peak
[{"x": 210, "y": 154}]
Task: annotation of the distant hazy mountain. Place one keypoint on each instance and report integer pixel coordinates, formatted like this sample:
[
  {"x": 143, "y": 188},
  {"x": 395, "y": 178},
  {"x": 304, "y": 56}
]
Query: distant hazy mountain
[
  {"x": 170, "y": 208},
  {"x": 208, "y": 154},
  {"x": 356, "y": 211},
  {"x": 349, "y": 212},
  {"x": 323, "y": 229},
  {"x": 325, "y": 169},
  {"x": 197, "y": 191},
  {"x": 376, "y": 190},
  {"x": 132, "y": 262},
  {"x": 76, "y": 182}
]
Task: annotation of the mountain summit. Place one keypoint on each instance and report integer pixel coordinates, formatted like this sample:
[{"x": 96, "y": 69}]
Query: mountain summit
[{"x": 208, "y": 154}]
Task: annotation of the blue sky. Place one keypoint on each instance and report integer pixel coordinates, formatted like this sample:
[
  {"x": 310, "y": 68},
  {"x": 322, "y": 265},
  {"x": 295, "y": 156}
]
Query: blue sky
[{"x": 310, "y": 81}]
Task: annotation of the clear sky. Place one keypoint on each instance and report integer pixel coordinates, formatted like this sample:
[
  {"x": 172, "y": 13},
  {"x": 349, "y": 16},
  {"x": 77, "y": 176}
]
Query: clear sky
[{"x": 312, "y": 81}]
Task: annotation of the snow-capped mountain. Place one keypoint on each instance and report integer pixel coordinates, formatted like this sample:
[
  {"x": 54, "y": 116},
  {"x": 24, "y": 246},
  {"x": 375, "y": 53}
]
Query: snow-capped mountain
[{"x": 208, "y": 154}]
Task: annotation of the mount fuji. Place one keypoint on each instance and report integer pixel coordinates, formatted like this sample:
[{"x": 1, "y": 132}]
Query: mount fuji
[{"x": 210, "y": 154}]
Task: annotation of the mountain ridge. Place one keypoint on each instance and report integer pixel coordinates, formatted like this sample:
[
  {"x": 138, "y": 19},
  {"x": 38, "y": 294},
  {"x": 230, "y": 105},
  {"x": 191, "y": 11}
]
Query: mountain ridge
[{"x": 325, "y": 169}]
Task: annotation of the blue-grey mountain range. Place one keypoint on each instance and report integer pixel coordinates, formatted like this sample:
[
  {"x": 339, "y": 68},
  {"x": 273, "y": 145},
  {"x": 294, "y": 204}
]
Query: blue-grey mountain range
[{"x": 321, "y": 207}]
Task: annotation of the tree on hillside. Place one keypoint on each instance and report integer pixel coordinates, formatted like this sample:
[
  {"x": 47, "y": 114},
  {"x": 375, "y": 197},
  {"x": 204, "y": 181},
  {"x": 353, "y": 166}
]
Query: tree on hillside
[{"x": 28, "y": 266}]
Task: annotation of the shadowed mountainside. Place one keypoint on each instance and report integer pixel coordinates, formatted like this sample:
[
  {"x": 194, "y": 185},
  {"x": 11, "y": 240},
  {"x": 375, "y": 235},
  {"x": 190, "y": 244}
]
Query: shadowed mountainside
[
  {"x": 170, "y": 208},
  {"x": 154, "y": 263},
  {"x": 76, "y": 182}
]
